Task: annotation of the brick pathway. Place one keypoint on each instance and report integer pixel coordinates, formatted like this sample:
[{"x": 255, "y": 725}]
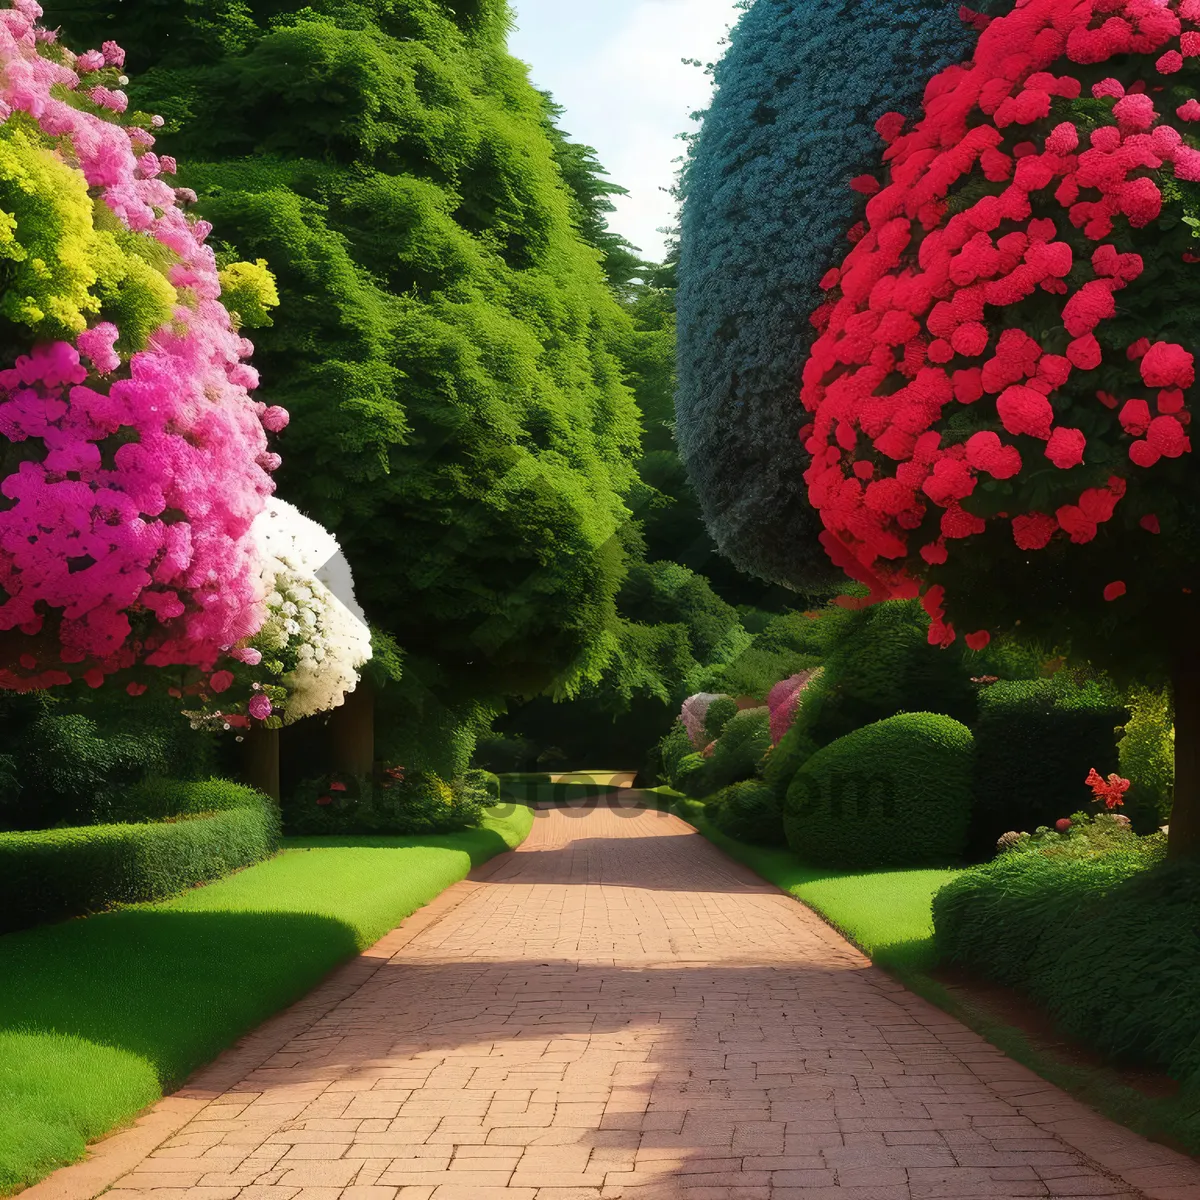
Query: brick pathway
[{"x": 617, "y": 1010}]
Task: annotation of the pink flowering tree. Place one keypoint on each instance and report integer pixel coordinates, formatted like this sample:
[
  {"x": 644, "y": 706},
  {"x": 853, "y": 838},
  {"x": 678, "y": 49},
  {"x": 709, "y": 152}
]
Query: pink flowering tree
[
  {"x": 132, "y": 457},
  {"x": 1000, "y": 397}
]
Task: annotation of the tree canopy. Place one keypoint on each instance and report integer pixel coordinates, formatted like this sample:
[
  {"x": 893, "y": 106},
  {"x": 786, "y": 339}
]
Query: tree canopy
[
  {"x": 766, "y": 204},
  {"x": 446, "y": 339}
]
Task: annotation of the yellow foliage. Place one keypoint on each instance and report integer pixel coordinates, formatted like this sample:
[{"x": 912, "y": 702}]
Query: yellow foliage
[
  {"x": 46, "y": 235},
  {"x": 65, "y": 260},
  {"x": 248, "y": 290}
]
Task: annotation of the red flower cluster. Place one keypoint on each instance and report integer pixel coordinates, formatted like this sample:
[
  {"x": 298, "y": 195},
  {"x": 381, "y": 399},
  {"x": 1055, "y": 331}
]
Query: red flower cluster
[
  {"x": 913, "y": 331},
  {"x": 1111, "y": 790}
]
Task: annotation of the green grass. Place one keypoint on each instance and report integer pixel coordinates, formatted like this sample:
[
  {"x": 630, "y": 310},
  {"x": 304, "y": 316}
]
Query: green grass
[{"x": 99, "y": 1016}]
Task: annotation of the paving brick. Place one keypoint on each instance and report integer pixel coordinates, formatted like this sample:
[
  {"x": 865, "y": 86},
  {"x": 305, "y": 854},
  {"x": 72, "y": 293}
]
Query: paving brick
[{"x": 618, "y": 1012}]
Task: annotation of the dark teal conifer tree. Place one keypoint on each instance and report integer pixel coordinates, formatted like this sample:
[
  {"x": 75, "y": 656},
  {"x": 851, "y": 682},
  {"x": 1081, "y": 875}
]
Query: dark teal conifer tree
[{"x": 766, "y": 205}]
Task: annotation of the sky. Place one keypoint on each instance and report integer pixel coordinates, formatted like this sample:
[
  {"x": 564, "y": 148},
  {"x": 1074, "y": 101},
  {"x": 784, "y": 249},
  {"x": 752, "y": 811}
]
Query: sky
[{"x": 614, "y": 65}]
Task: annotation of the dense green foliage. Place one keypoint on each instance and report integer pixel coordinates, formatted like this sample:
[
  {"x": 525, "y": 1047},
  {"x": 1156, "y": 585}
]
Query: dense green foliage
[
  {"x": 741, "y": 746},
  {"x": 672, "y": 750},
  {"x": 766, "y": 203},
  {"x": 787, "y": 643},
  {"x": 880, "y": 663},
  {"x": 97, "y": 1017},
  {"x": 793, "y": 750},
  {"x": 1146, "y": 753},
  {"x": 894, "y": 793},
  {"x": 674, "y": 635},
  {"x": 717, "y": 716},
  {"x": 75, "y": 754},
  {"x": 1036, "y": 740},
  {"x": 420, "y": 802},
  {"x": 1110, "y": 945},
  {"x": 186, "y": 833},
  {"x": 447, "y": 342},
  {"x": 693, "y": 777},
  {"x": 748, "y": 811}
]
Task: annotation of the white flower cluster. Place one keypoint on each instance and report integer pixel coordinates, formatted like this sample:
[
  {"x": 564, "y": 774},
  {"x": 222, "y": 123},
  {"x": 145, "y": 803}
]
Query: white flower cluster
[{"x": 315, "y": 630}]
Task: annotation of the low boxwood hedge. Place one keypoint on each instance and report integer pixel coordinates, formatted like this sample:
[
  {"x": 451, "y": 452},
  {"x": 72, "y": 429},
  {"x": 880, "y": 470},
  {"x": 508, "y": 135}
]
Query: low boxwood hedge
[
  {"x": 1109, "y": 945},
  {"x": 189, "y": 833},
  {"x": 895, "y": 793}
]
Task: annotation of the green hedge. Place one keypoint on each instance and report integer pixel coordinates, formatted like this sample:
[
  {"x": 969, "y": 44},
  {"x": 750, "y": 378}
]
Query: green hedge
[
  {"x": 485, "y": 782},
  {"x": 1036, "y": 740},
  {"x": 895, "y": 793},
  {"x": 1109, "y": 945},
  {"x": 197, "y": 832},
  {"x": 748, "y": 811},
  {"x": 693, "y": 776}
]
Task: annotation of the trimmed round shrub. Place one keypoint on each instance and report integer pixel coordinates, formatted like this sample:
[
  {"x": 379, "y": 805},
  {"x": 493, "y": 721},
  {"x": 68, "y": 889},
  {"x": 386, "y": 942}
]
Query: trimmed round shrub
[
  {"x": 880, "y": 664},
  {"x": 1036, "y": 740},
  {"x": 895, "y": 793},
  {"x": 399, "y": 803},
  {"x": 740, "y": 748},
  {"x": 196, "y": 832},
  {"x": 718, "y": 715},
  {"x": 748, "y": 811},
  {"x": 1146, "y": 753},
  {"x": 766, "y": 205}
]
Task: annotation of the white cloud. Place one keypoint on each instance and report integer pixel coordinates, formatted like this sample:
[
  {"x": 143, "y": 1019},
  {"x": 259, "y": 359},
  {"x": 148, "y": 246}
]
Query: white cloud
[{"x": 616, "y": 68}]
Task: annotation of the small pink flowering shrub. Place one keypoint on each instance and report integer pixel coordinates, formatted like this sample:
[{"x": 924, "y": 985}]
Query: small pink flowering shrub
[
  {"x": 132, "y": 458},
  {"x": 783, "y": 700}
]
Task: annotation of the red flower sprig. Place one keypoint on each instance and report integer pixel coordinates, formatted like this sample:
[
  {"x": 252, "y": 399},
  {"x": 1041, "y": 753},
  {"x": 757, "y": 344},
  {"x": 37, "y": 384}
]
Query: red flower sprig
[{"x": 1111, "y": 790}]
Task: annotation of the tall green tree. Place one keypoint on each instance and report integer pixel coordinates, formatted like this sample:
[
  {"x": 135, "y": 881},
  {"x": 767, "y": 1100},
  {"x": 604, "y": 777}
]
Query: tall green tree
[{"x": 446, "y": 342}]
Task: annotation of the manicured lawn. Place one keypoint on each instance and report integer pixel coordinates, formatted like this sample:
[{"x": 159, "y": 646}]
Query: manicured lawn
[{"x": 99, "y": 1016}]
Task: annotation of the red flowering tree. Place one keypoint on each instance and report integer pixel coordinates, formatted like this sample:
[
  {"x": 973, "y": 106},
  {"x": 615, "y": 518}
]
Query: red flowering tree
[{"x": 1000, "y": 395}]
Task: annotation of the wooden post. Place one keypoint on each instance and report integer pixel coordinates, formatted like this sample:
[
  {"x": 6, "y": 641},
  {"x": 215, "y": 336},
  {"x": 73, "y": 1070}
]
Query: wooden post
[
  {"x": 352, "y": 731},
  {"x": 260, "y": 759}
]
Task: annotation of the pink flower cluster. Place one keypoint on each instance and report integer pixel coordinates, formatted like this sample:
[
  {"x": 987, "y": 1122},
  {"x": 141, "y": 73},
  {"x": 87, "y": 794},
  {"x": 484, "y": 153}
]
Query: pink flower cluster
[
  {"x": 913, "y": 329},
  {"x": 783, "y": 700},
  {"x": 124, "y": 534}
]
